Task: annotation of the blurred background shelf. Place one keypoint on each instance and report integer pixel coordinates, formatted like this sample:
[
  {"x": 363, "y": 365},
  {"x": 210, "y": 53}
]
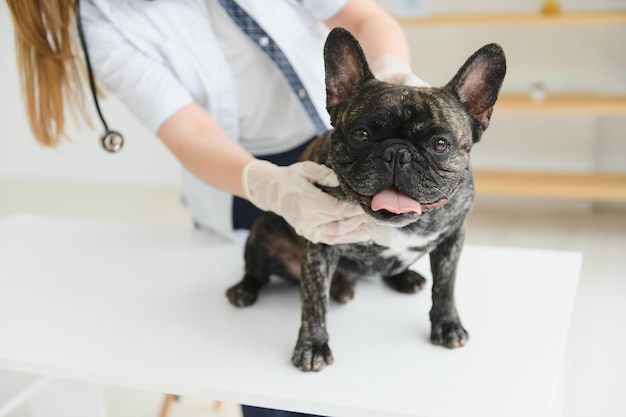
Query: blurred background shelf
[
  {"x": 563, "y": 103},
  {"x": 530, "y": 183},
  {"x": 599, "y": 187},
  {"x": 519, "y": 19}
]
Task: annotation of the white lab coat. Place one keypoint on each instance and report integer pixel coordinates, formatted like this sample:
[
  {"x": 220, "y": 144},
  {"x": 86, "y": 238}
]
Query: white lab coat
[{"x": 158, "y": 56}]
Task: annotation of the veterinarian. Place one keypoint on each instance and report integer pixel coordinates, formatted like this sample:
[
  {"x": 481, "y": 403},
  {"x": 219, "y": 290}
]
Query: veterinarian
[{"x": 191, "y": 74}]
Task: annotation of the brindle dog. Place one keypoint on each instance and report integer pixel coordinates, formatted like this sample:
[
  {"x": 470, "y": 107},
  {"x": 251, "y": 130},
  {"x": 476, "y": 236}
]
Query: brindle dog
[{"x": 403, "y": 154}]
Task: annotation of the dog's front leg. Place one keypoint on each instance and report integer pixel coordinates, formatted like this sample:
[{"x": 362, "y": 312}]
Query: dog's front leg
[
  {"x": 446, "y": 327},
  {"x": 318, "y": 264}
]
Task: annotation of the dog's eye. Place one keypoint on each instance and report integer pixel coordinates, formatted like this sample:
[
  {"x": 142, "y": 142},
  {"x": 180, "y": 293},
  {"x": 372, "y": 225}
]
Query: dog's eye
[
  {"x": 360, "y": 135},
  {"x": 439, "y": 145}
]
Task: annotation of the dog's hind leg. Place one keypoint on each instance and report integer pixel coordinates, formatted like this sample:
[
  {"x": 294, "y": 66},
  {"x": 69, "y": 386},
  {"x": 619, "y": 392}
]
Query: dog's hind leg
[
  {"x": 272, "y": 248},
  {"x": 342, "y": 287},
  {"x": 407, "y": 282},
  {"x": 246, "y": 291}
]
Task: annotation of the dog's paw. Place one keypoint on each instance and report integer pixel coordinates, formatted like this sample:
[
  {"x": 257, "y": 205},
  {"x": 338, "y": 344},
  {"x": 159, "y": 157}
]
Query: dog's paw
[
  {"x": 309, "y": 356},
  {"x": 450, "y": 334},
  {"x": 342, "y": 287},
  {"x": 407, "y": 282},
  {"x": 243, "y": 294}
]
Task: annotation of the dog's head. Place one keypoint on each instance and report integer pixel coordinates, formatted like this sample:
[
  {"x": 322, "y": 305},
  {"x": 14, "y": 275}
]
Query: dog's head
[{"x": 401, "y": 151}]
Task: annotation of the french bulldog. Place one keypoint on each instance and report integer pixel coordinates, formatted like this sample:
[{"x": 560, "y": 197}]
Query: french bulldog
[{"x": 403, "y": 154}]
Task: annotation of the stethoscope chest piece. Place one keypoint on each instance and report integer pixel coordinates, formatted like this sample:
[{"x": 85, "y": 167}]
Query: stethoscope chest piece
[{"x": 112, "y": 141}]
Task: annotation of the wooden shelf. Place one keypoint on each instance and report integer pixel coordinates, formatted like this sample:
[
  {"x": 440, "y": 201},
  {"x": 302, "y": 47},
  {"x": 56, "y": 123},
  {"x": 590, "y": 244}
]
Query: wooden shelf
[
  {"x": 518, "y": 19},
  {"x": 544, "y": 185},
  {"x": 579, "y": 103},
  {"x": 564, "y": 186}
]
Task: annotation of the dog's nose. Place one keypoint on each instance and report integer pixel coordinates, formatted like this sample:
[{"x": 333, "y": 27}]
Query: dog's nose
[{"x": 396, "y": 154}]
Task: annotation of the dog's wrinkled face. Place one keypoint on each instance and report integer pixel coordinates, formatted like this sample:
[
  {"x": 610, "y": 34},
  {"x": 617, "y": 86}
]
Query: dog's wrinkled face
[
  {"x": 398, "y": 155},
  {"x": 401, "y": 151}
]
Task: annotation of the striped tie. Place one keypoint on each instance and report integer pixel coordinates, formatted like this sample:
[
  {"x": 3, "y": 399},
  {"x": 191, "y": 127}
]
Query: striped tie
[{"x": 271, "y": 49}]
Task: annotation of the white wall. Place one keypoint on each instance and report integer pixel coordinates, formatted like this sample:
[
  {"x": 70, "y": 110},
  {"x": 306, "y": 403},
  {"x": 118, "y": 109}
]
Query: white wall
[
  {"x": 144, "y": 160},
  {"x": 579, "y": 59}
]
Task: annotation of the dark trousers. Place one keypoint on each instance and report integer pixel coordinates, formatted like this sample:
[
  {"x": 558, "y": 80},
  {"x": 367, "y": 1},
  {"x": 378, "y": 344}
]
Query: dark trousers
[
  {"x": 249, "y": 411},
  {"x": 244, "y": 216}
]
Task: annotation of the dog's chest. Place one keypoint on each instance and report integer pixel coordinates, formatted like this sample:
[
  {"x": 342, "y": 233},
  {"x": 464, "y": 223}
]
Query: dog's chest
[{"x": 392, "y": 252}]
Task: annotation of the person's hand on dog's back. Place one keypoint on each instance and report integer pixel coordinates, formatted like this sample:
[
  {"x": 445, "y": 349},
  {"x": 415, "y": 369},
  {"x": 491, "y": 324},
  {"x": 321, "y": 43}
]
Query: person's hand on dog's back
[
  {"x": 290, "y": 192},
  {"x": 393, "y": 69}
]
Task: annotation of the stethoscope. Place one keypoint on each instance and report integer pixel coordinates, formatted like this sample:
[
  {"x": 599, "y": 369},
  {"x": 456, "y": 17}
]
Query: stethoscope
[{"x": 112, "y": 141}]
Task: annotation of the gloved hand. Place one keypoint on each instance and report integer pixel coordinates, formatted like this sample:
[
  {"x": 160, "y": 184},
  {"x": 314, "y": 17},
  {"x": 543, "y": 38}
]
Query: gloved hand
[
  {"x": 290, "y": 193},
  {"x": 393, "y": 69}
]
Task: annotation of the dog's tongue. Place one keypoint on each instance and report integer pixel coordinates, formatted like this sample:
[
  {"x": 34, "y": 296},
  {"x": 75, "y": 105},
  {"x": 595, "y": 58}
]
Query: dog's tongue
[{"x": 396, "y": 202}]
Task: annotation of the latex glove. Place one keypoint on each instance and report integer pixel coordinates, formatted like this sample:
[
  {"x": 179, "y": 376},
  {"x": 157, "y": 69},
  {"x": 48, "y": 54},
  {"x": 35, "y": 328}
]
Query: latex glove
[
  {"x": 290, "y": 193},
  {"x": 393, "y": 69}
]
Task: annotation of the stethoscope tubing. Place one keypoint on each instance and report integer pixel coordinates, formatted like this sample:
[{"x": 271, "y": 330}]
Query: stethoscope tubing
[{"x": 112, "y": 141}]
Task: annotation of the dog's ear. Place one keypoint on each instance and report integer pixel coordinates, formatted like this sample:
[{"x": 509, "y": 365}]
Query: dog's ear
[
  {"x": 346, "y": 67},
  {"x": 478, "y": 83}
]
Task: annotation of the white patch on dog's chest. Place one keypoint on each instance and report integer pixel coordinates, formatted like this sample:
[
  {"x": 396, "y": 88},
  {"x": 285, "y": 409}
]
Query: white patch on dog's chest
[{"x": 407, "y": 247}]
